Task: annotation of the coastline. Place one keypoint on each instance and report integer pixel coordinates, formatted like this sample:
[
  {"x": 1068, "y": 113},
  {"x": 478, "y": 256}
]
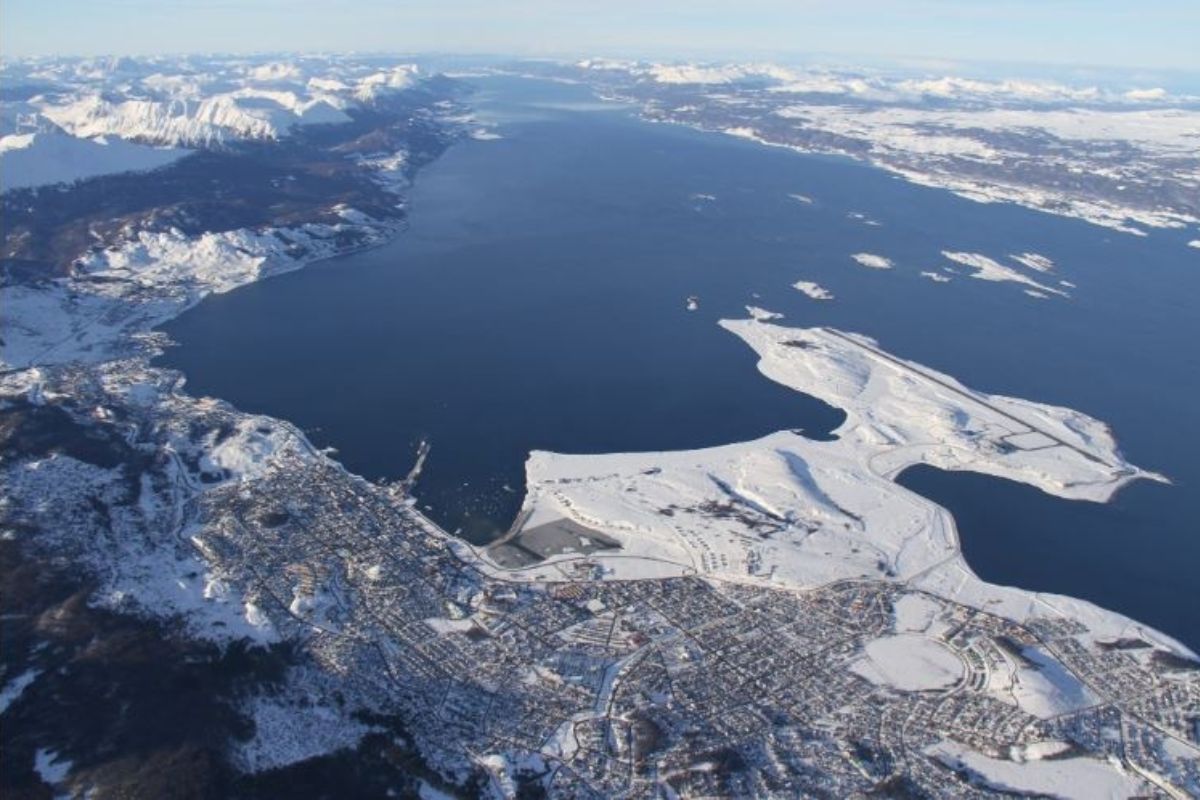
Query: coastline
[
  {"x": 376, "y": 594},
  {"x": 139, "y": 340},
  {"x": 846, "y": 502},
  {"x": 1102, "y": 213}
]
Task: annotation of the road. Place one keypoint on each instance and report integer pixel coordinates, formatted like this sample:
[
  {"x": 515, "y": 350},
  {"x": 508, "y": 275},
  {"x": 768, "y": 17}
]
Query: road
[{"x": 958, "y": 390}]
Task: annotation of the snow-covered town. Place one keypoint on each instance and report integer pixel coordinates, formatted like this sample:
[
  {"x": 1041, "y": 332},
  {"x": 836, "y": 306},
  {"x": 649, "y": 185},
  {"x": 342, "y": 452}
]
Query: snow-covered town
[{"x": 775, "y": 617}]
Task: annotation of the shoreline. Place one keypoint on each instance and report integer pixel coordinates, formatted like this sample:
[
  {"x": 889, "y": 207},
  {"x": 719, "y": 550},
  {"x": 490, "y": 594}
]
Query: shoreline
[
  {"x": 378, "y": 233},
  {"x": 416, "y": 622},
  {"x": 562, "y": 486},
  {"x": 1099, "y": 212}
]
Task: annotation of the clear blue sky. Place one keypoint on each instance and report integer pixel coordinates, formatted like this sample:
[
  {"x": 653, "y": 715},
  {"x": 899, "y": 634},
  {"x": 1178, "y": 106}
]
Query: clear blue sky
[{"x": 1149, "y": 33}]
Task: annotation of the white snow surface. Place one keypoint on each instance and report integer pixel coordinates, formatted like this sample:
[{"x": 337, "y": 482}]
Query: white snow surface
[
  {"x": 831, "y": 507},
  {"x": 247, "y": 453},
  {"x": 918, "y": 143},
  {"x": 949, "y": 131},
  {"x": 1034, "y": 261},
  {"x": 198, "y": 101},
  {"x": 938, "y": 130},
  {"x": 813, "y": 290},
  {"x": 1068, "y": 778},
  {"x": 762, "y": 314},
  {"x": 148, "y": 584},
  {"x": 292, "y": 726},
  {"x": 152, "y": 277},
  {"x": 988, "y": 269},
  {"x": 1045, "y": 688},
  {"x": 713, "y": 74},
  {"x": 243, "y": 114},
  {"x": 863, "y": 84},
  {"x": 384, "y": 82},
  {"x": 909, "y": 663},
  {"x": 149, "y": 278},
  {"x": 873, "y": 261},
  {"x": 50, "y": 767},
  {"x": 15, "y": 687}
]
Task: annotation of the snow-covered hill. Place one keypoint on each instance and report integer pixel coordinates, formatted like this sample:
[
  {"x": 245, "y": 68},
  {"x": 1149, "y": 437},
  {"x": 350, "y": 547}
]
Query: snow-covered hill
[
  {"x": 244, "y": 114},
  {"x": 189, "y": 102},
  {"x": 1122, "y": 153}
]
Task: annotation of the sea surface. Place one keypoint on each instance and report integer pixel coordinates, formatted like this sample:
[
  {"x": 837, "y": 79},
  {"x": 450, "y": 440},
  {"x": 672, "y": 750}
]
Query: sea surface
[{"x": 538, "y": 301}]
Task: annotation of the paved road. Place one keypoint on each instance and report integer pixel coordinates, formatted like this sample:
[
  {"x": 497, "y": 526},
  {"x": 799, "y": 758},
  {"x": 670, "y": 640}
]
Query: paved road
[{"x": 961, "y": 393}]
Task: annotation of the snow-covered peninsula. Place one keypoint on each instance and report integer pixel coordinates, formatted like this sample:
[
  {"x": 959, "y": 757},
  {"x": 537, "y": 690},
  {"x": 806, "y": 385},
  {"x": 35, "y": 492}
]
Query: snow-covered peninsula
[{"x": 789, "y": 511}]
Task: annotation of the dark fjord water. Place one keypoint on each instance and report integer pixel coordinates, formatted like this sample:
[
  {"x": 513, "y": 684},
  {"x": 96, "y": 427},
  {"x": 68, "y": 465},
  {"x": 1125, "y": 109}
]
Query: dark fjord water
[{"x": 538, "y": 303}]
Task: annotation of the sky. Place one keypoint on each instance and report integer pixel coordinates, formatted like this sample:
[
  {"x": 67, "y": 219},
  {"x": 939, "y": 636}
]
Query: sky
[{"x": 1157, "y": 34}]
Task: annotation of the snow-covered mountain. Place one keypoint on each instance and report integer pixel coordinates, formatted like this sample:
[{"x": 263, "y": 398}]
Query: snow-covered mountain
[
  {"x": 243, "y": 114},
  {"x": 66, "y": 119},
  {"x": 876, "y": 85}
]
